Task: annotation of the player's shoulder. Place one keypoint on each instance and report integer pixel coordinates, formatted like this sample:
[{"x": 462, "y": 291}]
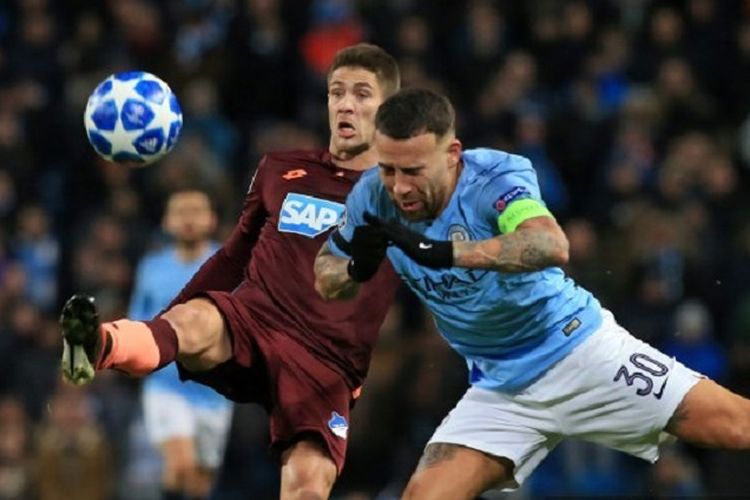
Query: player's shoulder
[
  {"x": 157, "y": 258},
  {"x": 490, "y": 163},
  {"x": 294, "y": 158},
  {"x": 369, "y": 185},
  {"x": 370, "y": 177}
]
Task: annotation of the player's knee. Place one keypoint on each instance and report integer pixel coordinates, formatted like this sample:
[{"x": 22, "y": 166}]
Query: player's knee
[
  {"x": 309, "y": 482},
  {"x": 735, "y": 432},
  {"x": 199, "y": 483},
  {"x": 307, "y": 472},
  {"x": 176, "y": 473},
  {"x": 419, "y": 486},
  {"x": 726, "y": 425},
  {"x": 195, "y": 326}
]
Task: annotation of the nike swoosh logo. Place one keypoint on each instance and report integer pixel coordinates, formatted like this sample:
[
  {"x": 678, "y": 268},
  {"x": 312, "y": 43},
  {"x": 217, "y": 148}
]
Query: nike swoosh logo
[
  {"x": 660, "y": 393},
  {"x": 425, "y": 246}
]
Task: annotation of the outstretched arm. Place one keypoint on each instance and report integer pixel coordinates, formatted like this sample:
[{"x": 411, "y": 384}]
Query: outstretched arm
[
  {"x": 332, "y": 280},
  {"x": 535, "y": 244},
  {"x": 225, "y": 269}
]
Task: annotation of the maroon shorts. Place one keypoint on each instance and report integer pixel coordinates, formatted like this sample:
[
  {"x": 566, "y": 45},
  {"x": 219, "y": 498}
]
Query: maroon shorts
[{"x": 301, "y": 394}]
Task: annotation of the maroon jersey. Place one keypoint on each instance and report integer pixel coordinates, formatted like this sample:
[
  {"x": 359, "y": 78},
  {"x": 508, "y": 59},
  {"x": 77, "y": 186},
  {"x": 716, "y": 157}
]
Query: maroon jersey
[{"x": 294, "y": 200}]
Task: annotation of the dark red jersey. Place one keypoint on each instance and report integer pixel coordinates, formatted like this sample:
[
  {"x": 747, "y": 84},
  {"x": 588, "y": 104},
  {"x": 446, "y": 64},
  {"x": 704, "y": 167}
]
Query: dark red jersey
[{"x": 294, "y": 200}]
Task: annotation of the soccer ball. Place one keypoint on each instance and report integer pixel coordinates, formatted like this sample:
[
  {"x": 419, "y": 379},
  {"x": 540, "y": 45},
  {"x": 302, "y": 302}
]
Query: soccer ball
[{"x": 133, "y": 118}]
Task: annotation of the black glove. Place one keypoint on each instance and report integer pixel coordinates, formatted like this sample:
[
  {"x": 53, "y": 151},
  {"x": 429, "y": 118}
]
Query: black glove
[
  {"x": 424, "y": 251},
  {"x": 367, "y": 249}
]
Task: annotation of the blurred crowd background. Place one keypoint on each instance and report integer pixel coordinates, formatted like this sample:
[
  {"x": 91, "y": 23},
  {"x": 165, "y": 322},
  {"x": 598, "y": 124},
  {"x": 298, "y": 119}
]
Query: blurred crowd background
[{"x": 634, "y": 113}]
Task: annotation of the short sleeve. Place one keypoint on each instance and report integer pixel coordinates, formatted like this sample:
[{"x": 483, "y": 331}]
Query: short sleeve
[
  {"x": 359, "y": 201},
  {"x": 510, "y": 196}
]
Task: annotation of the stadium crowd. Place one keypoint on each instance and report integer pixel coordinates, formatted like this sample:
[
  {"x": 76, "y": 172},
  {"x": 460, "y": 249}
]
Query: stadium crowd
[{"x": 634, "y": 113}]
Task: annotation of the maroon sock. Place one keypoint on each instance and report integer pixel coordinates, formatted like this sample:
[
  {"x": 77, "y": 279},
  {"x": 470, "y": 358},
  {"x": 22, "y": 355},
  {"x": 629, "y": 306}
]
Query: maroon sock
[{"x": 166, "y": 340}]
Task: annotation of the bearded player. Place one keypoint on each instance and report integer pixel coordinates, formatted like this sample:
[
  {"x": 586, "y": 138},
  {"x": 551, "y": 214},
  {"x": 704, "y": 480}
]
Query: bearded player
[{"x": 249, "y": 323}]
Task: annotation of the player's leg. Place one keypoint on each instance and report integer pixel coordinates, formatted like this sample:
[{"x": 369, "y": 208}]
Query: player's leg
[
  {"x": 178, "y": 465},
  {"x": 202, "y": 334},
  {"x": 199, "y": 483},
  {"x": 713, "y": 416},
  {"x": 213, "y": 418},
  {"x": 641, "y": 391},
  {"x": 489, "y": 440},
  {"x": 307, "y": 471},
  {"x": 193, "y": 332},
  {"x": 625, "y": 394},
  {"x": 170, "y": 424},
  {"x": 309, "y": 417},
  {"x": 453, "y": 472}
]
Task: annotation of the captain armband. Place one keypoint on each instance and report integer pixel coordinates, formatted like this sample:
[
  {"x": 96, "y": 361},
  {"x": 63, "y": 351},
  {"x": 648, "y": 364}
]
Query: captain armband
[{"x": 518, "y": 212}]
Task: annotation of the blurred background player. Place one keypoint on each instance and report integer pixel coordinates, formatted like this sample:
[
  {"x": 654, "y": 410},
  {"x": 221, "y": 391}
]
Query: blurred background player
[
  {"x": 249, "y": 323},
  {"x": 188, "y": 422}
]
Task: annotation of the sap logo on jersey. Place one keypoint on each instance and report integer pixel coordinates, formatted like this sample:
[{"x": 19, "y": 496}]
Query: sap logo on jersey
[{"x": 307, "y": 215}]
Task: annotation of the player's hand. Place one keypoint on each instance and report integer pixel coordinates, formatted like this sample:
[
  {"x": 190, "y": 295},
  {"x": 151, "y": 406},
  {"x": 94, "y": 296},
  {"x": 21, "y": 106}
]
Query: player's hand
[
  {"x": 368, "y": 247},
  {"x": 422, "y": 250}
]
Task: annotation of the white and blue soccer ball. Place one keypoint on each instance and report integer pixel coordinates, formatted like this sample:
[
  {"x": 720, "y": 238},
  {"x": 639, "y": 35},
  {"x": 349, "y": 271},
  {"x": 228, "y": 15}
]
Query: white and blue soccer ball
[{"x": 133, "y": 118}]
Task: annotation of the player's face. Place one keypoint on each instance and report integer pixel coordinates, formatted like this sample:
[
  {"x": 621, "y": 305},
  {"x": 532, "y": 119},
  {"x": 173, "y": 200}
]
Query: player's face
[
  {"x": 419, "y": 173},
  {"x": 189, "y": 217},
  {"x": 354, "y": 95}
]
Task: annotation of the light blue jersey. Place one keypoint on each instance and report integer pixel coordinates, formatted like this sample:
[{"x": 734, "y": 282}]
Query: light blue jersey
[
  {"x": 510, "y": 327},
  {"x": 160, "y": 277}
]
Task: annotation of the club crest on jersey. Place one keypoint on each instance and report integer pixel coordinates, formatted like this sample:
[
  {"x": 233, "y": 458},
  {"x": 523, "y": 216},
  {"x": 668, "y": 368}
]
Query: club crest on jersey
[
  {"x": 338, "y": 425},
  {"x": 511, "y": 195},
  {"x": 456, "y": 232},
  {"x": 307, "y": 215}
]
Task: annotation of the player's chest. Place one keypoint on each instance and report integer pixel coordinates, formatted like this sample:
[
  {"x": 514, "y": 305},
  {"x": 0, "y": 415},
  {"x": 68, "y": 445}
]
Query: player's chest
[{"x": 308, "y": 207}]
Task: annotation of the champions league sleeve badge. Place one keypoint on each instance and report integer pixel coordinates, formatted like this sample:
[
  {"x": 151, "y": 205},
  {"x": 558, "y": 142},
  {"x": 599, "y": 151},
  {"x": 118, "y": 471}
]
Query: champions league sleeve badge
[{"x": 506, "y": 198}]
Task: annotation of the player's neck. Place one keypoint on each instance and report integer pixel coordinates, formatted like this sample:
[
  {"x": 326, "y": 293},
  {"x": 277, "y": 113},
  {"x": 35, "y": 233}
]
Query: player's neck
[
  {"x": 360, "y": 161},
  {"x": 190, "y": 251},
  {"x": 451, "y": 187}
]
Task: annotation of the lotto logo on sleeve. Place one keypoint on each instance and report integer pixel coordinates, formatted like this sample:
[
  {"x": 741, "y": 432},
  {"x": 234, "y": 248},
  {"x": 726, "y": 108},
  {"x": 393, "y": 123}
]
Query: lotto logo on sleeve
[{"x": 307, "y": 215}]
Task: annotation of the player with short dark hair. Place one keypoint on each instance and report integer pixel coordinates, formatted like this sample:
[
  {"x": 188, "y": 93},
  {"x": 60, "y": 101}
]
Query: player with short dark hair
[
  {"x": 249, "y": 323},
  {"x": 471, "y": 236},
  {"x": 188, "y": 422}
]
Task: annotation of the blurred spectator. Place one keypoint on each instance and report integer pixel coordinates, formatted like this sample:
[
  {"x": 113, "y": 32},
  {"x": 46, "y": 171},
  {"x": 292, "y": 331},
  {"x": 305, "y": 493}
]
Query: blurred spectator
[
  {"x": 663, "y": 37},
  {"x": 334, "y": 26},
  {"x": 531, "y": 143},
  {"x": 262, "y": 42},
  {"x": 587, "y": 263},
  {"x": 653, "y": 292},
  {"x": 34, "y": 374},
  {"x": 15, "y": 476},
  {"x": 693, "y": 343},
  {"x": 685, "y": 106},
  {"x": 675, "y": 475},
  {"x": 71, "y": 456},
  {"x": 201, "y": 107},
  {"x": 739, "y": 345},
  {"x": 201, "y": 29},
  {"x": 479, "y": 44},
  {"x": 38, "y": 251}
]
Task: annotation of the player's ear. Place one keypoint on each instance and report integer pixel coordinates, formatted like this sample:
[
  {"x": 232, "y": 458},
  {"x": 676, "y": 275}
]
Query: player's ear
[
  {"x": 454, "y": 151},
  {"x": 165, "y": 224},
  {"x": 214, "y": 222}
]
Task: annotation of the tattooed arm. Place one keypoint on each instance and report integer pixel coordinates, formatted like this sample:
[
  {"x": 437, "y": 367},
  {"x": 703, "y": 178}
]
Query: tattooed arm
[
  {"x": 536, "y": 243},
  {"x": 332, "y": 281}
]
